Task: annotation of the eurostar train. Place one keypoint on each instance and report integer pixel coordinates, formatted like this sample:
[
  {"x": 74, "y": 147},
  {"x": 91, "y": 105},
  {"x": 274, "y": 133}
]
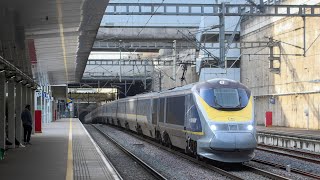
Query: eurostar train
[{"x": 212, "y": 119}]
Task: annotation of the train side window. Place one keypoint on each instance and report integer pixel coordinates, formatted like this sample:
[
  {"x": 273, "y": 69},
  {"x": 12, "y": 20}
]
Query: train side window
[
  {"x": 144, "y": 108},
  {"x": 175, "y": 110},
  {"x": 161, "y": 112},
  {"x": 192, "y": 121},
  {"x": 155, "y": 111}
]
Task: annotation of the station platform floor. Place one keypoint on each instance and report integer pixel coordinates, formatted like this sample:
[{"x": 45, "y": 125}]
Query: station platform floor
[
  {"x": 64, "y": 150},
  {"x": 295, "y": 132}
]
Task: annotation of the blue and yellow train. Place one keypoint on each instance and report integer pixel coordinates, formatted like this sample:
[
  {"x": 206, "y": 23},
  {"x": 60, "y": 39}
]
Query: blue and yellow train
[{"x": 212, "y": 119}]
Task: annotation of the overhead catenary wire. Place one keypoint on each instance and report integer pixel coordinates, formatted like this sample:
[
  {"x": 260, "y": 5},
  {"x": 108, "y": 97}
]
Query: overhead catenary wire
[{"x": 150, "y": 19}]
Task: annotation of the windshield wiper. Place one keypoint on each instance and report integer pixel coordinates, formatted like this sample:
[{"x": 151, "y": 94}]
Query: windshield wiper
[
  {"x": 239, "y": 105},
  {"x": 216, "y": 102}
]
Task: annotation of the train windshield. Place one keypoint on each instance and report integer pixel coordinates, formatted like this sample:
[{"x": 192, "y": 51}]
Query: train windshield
[{"x": 225, "y": 98}]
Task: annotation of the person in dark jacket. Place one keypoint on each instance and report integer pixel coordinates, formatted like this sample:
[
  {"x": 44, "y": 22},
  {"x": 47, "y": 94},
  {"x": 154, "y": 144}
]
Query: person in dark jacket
[{"x": 27, "y": 124}]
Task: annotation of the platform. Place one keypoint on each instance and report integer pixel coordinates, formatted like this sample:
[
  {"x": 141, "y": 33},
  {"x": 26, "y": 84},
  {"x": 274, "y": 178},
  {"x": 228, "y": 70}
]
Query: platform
[
  {"x": 64, "y": 150},
  {"x": 296, "y": 132},
  {"x": 289, "y": 138}
]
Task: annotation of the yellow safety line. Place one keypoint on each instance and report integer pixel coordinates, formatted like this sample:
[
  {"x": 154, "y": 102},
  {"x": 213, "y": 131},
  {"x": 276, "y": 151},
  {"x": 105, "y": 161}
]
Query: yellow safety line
[
  {"x": 69, "y": 175},
  {"x": 63, "y": 45},
  {"x": 194, "y": 132}
]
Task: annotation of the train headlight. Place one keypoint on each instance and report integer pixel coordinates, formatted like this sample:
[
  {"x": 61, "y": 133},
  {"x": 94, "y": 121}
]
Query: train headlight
[
  {"x": 213, "y": 127},
  {"x": 250, "y": 127}
]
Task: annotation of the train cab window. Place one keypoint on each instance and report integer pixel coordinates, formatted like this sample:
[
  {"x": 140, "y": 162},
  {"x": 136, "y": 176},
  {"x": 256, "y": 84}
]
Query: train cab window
[
  {"x": 208, "y": 96},
  {"x": 225, "y": 98},
  {"x": 244, "y": 99}
]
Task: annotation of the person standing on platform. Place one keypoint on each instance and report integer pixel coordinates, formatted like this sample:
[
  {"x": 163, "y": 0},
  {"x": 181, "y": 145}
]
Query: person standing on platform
[{"x": 27, "y": 124}]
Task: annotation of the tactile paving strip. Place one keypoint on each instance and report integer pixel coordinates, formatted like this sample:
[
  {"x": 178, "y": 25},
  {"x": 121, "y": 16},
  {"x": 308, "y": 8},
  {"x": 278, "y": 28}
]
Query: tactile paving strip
[{"x": 87, "y": 163}]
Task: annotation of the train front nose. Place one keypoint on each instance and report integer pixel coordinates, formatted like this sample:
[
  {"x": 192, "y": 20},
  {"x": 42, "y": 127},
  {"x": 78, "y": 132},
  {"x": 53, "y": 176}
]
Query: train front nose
[{"x": 232, "y": 141}]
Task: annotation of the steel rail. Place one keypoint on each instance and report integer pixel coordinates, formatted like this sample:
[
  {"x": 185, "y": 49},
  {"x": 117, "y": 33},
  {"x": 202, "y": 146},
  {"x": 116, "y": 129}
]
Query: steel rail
[
  {"x": 203, "y": 164},
  {"x": 294, "y": 170},
  {"x": 265, "y": 173},
  {"x": 267, "y": 149},
  {"x": 210, "y": 166},
  {"x": 152, "y": 171}
]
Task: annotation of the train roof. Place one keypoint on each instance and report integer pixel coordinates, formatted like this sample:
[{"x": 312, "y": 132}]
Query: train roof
[{"x": 209, "y": 83}]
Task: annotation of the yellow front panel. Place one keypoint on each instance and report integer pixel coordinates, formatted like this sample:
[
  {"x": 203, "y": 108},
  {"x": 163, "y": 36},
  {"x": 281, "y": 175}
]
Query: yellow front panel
[{"x": 243, "y": 115}]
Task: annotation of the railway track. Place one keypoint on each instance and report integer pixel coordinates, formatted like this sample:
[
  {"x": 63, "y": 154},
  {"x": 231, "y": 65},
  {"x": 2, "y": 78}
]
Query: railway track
[
  {"x": 280, "y": 151},
  {"x": 294, "y": 170},
  {"x": 218, "y": 169},
  {"x": 152, "y": 171},
  {"x": 309, "y": 156},
  {"x": 265, "y": 173}
]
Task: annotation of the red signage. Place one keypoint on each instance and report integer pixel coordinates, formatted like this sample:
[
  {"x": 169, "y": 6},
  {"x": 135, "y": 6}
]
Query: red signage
[
  {"x": 268, "y": 119},
  {"x": 38, "y": 119}
]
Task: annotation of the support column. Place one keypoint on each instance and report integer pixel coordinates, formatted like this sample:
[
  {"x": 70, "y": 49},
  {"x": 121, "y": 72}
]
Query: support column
[
  {"x": 29, "y": 97},
  {"x": 41, "y": 105},
  {"x": 32, "y": 109},
  {"x": 2, "y": 110},
  {"x": 11, "y": 112},
  {"x": 24, "y": 102},
  {"x": 174, "y": 75},
  {"x": 222, "y": 34},
  {"x": 19, "y": 108},
  {"x": 23, "y": 97},
  {"x": 44, "y": 107},
  {"x": 49, "y": 105}
]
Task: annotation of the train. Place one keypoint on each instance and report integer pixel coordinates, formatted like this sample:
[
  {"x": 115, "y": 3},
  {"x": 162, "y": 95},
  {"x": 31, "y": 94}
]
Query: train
[{"x": 212, "y": 119}]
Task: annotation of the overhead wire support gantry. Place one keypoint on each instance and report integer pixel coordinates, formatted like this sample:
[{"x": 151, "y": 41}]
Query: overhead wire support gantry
[
  {"x": 221, "y": 10},
  {"x": 212, "y": 9}
]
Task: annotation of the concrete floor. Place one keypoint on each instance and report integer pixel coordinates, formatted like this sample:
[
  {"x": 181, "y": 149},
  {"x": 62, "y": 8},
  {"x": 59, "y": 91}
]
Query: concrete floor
[
  {"x": 48, "y": 156},
  {"x": 45, "y": 159}
]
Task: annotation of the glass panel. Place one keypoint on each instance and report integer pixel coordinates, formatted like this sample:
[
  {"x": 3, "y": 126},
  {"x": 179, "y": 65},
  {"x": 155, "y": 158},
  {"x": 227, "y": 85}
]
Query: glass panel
[
  {"x": 192, "y": 121},
  {"x": 226, "y": 97},
  {"x": 175, "y": 110},
  {"x": 154, "y": 111},
  {"x": 208, "y": 96},
  {"x": 161, "y": 113},
  {"x": 244, "y": 99}
]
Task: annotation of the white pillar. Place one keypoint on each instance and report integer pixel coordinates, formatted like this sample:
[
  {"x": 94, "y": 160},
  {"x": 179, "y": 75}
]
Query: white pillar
[
  {"x": 11, "y": 112},
  {"x": 41, "y": 105},
  {"x": 23, "y": 97},
  {"x": 19, "y": 108},
  {"x": 29, "y": 97},
  {"x": 24, "y": 102},
  {"x": 2, "y": 110},
  {"x": 32, "y": 109},
  {"x": 45, "y": 106}
]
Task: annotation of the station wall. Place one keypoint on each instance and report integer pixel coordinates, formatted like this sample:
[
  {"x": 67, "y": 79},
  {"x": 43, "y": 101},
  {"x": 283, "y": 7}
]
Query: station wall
[
  {"x": 294, "y": 90},
  {"x": 166, "y": 74}
]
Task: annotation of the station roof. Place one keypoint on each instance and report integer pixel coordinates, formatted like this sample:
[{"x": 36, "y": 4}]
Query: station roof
[{"x": 62, "y": 31}]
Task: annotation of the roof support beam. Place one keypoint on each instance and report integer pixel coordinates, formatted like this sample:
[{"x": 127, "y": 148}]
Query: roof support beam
[
  {"x": 211, "y": 9},
  {"x": 161, "y": 27},
  {"x": 128, "y": 62}
]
